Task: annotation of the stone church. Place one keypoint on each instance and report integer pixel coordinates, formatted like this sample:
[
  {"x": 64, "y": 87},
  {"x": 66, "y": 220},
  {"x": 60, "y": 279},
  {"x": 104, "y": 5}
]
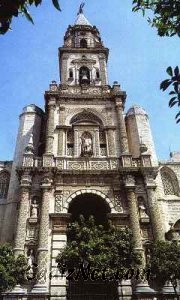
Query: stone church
[{"x": 84, "y": 154}]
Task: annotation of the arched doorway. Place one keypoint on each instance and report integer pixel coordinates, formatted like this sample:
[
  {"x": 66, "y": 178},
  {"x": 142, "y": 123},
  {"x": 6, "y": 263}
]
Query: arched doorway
[{"x": 88, "y": 204}]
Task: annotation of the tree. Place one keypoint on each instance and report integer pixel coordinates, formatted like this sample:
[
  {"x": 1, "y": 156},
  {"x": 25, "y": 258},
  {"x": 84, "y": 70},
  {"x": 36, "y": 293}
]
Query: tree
[
  {"x": 110, "y": 249},
  {"x": 165, "y": 263},
  {"x": 174, "y": 82},
  {"x": 12, "y": 269},
  {"x": 14, "y": 8},
  {"x": 166, "y": 15},
  {"x": 166, "y": 18}
]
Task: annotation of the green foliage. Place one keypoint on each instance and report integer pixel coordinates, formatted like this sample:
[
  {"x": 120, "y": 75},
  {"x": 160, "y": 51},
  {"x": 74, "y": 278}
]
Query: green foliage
[
  {"x": 166, "y": 17},
  {"x": 12, "y": 270},
  {"x": 165, "y": 262},
  {"x": 173, "y": 82},
  {"x": 14, "y": 8},
  {"x": 111, "y": 249}
]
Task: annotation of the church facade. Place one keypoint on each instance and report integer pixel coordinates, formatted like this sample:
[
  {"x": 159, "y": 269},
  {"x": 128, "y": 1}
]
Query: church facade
[{"x": 84, "y": 155}]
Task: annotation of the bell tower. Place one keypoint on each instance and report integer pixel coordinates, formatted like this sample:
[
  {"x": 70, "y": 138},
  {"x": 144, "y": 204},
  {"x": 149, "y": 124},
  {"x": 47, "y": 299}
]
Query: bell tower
[{"x": 83, "y": 56}]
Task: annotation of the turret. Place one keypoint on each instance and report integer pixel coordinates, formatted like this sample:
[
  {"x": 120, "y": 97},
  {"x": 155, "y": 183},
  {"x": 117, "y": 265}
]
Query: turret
[{"x": 139, "y": 133}]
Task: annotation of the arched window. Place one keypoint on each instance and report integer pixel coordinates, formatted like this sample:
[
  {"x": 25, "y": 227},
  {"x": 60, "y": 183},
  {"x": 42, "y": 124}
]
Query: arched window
[
  {"x": 70, "y": 74},
  {"x": 84, "y": 75},
  {"x": 83, "y": 43},
  {"x": 97, "y": 74},
  {"x": 70, "y": 143},
  {"x": 169, "y": 181},
  {"x": 4, "y": 184},
  {"x": 102, "y": 140}
]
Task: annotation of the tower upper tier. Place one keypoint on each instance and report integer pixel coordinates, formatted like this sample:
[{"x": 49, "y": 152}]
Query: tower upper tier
[{"x": 83, "y": 57}]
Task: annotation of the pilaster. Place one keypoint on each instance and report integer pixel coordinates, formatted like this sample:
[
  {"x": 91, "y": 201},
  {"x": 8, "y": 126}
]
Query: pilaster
[
  {"x": 122, "y": 127},
  {"x": 129, "y": 182},
  {"x": 50, "y": 126},
  {"x": 154, "y": 210},
  {"x": 111, "y": 141},
  {"x": 22, "y": 214},
  {"x": 42, "y": 259}
]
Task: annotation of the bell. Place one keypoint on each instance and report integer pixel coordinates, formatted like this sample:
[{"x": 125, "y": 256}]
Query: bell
[{"x": 84, "y": 79}]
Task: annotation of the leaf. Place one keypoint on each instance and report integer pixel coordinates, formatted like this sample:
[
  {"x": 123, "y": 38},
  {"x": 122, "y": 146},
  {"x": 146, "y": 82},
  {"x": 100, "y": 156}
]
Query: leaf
[
  {"x": 178, "y": 121},
  {"x": 172, "y": 93},
  {"x": 165, "y": 84},
  {"x": 172, "y": 102},
  {"x": 178, "y": 115},
  {"x": 27, "y": 15},
  {"x": 56, "y": 4},
  {"x": 169, "y": 71},
  {"x": 176, "y": 71},
  {"x": 176, "y": 87}
]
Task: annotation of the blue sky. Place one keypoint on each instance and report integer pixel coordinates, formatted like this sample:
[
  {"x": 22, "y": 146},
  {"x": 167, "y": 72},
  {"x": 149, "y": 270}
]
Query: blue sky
[{"x": 138, "y": 59}]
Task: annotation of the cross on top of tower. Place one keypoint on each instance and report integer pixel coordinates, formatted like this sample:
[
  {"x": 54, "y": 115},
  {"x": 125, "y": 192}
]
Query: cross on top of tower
[
  {"x": 81, "y": 19},
  {"x": 81, "y": 8}
]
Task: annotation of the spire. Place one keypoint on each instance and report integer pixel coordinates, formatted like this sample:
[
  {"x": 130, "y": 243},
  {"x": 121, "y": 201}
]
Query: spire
[{"x": 81, "y": 19}]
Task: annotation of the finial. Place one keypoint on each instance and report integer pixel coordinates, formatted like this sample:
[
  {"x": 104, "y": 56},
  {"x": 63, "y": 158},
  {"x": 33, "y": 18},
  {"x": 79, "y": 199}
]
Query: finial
[{"x": 81, "y": 8}]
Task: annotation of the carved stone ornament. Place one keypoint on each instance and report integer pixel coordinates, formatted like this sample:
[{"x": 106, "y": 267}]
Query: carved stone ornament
[
  {"x": 58, "y": 203},
  {"x": 47, "y": 160},
  {"x": 126, "y": 160},
  {"x": 117, "y": 201},
  {"x": 28, "y": 160},
  {"x": 150, "y": 181},
  {"x": 47, "y": 181},
  {"x": 129, "y": 181},
  {"x": 26, "y": 180}
]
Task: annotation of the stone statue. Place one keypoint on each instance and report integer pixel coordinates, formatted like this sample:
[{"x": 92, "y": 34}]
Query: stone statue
[
  {"x": 34, "y": 209},
  {"x": 142, "y": 211},
  {"x": 30, "y": 261},
  {"x": 86, "y": 145}
]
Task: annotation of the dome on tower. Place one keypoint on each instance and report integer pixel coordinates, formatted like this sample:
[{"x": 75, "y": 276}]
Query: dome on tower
[{"x": 136, "y": 110}]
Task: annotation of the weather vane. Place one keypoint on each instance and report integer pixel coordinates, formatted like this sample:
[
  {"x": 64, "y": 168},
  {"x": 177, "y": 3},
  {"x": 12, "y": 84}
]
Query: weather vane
[{"x": 81, "y": 8}]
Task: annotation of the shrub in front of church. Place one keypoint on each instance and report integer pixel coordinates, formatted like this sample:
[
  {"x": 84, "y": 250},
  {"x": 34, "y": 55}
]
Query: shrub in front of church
[
  {"x": 12, "y": 269},
  {"x": 95, "y": 252}
]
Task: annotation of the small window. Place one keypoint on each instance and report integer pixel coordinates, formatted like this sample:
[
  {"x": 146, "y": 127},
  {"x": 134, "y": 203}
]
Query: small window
[
  {"x": 83, "y": 43},
  {"x": 97, "y": 74},
  {"x": 71, "y": 73}
]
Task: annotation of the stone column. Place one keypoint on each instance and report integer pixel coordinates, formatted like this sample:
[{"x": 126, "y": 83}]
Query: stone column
[
  {"x": 50, "y": 126},
  {"x": 133, "y": 211},
  {"x": 102, "y": 69},
  {"x": 111, "y": 142},
  {"x": 122, "y": 128},
  {"x": 24, "y": 203},
  {"x": 61, "y": 142},
  {"x": 142, "y": 285},
  {"x": 154, "y": 209},
  {"x": 97, "y": 142},
  {"x": 64, "y": 69},
  {"x": 42, "y": 259},
  {"x": 76, "y": 143}
]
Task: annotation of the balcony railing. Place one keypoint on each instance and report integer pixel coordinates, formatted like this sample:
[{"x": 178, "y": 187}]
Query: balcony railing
[{"x": 82, "y": 163}]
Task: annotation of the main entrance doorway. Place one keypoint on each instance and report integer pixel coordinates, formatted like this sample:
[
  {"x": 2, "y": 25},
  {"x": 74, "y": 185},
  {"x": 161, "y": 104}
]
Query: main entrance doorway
[{"x": 87, "y": 205}]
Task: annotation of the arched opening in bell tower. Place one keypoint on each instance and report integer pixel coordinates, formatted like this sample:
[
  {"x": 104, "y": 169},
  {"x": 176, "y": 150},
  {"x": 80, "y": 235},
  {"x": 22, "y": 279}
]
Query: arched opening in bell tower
[
  {"x": 84, "y": 75},
  {"x": 83, "y": 43}
]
